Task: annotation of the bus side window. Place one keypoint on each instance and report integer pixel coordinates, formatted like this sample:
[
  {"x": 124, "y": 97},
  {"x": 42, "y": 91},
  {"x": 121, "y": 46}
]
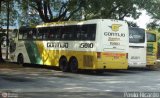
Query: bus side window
[
  {"x": 91, "y": 30},
  {"x": 57, "y": 36},
  {"x": 39, "y": 34},
  {"x": 46, "y": 32},
  {"x": 25, "y": 34},
  {"x": 72, "y": 33},
  {"x": 30, "y": 35},
  {"x": 84, "y": 35},
  {"x": 64, "y": 36},
  {"x": 34, "y": 33},
  {"x": 58, "y": 33},
  {"x": 78, "y": 36},
  {"x": 67, "y": 33},
  {"x": 20, "y": 34},
  {"x": 78, "y": 32},
  {"x": 51, "y": 33}
]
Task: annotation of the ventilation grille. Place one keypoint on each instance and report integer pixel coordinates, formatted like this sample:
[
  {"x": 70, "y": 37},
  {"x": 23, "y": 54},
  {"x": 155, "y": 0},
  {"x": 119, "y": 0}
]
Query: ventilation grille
[{"x": 88, "y": 61}]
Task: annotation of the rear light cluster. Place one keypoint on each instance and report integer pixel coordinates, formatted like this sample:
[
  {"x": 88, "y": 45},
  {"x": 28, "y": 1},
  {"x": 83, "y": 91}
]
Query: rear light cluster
[
  {"x": 127, "y": 56},
  {"x": 98, "y": 55},
  {"x": 115, "y": 55}
]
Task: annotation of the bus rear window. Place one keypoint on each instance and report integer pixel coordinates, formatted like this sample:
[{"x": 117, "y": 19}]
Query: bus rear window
[
  {"x": 151, "y": 37},
  {"x": 136, "y": 35}
]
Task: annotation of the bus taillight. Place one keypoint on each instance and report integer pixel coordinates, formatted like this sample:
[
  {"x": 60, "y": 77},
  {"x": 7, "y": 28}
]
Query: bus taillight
[
  {"x": 127, "y": 56},
  {"x": 98, "y": 55}
]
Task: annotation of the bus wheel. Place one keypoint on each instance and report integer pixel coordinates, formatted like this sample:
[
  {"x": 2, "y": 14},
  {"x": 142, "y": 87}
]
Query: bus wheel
[
  {"x": 73, "y": 63},
  {"x": 20, "y": 59},
  {"x": 63, "y": 64}
]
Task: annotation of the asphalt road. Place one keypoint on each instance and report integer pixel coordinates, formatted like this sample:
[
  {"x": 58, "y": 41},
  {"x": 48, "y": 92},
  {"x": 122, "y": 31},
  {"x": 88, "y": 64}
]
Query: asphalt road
[{"x": 27, "y": 82}]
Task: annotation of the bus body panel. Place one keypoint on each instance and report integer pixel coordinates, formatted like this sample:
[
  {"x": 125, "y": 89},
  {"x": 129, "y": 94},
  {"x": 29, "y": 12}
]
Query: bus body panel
[
  {"x": 20, "y": 49},
  {"x": 137, "y": 56},
  {"x": 114, "y": 44}
]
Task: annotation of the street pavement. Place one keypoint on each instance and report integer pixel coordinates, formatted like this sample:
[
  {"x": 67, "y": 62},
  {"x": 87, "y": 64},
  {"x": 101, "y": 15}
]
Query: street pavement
[{"x": 29, "y": 82}]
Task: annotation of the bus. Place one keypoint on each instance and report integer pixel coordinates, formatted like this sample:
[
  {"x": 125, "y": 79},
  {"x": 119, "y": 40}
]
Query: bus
[
  {"x": 152, "y": 48},
  {"x": 137, "y": 47},
  {"x": 97, "y": 44}
]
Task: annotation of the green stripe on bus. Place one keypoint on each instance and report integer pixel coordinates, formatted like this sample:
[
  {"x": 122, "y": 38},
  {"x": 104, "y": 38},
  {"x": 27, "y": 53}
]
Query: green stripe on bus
[{"x": 33, "y": 52}]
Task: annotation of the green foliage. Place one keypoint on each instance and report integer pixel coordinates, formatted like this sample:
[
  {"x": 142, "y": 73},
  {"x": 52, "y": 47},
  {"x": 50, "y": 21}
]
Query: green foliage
[
  {"x": 153, "y": 9},
  {"x": 32, "y": 12},
  {"x": 3, "y": 13},
  {"x": 153, "y": 25},
  {"x": 61, "y": 10},
  {"x": 115, "y": 9}
]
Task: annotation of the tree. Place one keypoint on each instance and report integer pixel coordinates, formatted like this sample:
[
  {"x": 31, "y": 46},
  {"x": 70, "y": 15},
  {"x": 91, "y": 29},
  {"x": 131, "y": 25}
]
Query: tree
[
  {"x": 114, "y": 9},
  {"x": 3, "y": 13},
  {"x": 154, "y": 25},
  {"x": 153, "y": 8},
  {"x": 33, "y": 12},
  {"x": 53, "y": 10},
  {"x": 132, "y": 24},
  {"x": 63, "y": 10},
  {"x": 1, "y": 4}
]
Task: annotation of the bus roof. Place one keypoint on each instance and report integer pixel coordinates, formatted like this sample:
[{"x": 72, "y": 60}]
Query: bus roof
[{"x": 62, "y": 23}]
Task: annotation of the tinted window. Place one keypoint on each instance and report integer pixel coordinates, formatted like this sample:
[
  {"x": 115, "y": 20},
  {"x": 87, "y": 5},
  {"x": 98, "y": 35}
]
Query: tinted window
[
  {"x": 68, "y": 33},
  {"x": 57, "y": 33},
  {"x": 40, "y": 32},
  {"x": 71, "y": 32},
  {"x": 20, "y": 34},
  {"x": 151, "y": 37},
  {"x": 86, "y": 32},
  {"x": 136, "y": 35},
  {"x": 27, "y": 33}
]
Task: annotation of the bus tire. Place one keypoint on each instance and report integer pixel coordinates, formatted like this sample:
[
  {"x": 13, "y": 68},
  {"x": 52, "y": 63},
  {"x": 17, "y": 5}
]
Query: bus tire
[
  {"x": 63, "y": 64},
  {"x": 73, "y": 63},
  {"x": 20, "y": 59}
]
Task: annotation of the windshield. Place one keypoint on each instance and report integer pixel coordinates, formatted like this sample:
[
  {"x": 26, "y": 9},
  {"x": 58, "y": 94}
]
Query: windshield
[
  {"x": 151, "y": 37},
  {"x": 136, "y": 35}
]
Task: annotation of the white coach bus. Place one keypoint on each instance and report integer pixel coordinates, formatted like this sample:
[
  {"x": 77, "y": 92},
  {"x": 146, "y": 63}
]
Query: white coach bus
[
  {"x": 137, "y": 47},
  {"x": 97, "y": 44}
]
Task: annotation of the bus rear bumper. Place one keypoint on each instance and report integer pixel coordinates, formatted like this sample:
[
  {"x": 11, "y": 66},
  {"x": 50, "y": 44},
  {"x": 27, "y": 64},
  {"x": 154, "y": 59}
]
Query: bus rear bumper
[
  {"x": 112, "y": 65},
  {"x": 136, "y": 64}
]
